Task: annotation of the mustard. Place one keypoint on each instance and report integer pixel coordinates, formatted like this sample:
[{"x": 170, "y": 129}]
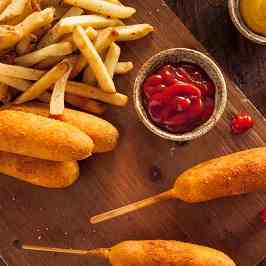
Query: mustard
[{"x": 253, "y": 13}]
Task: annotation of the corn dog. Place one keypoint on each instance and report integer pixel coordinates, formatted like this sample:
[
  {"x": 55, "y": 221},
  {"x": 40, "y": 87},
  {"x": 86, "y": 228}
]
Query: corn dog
[
  {"x": 103, "y": 133},
  {"x": 40, "y": 137},
  {"x": 39, "y": 172},
  {"x": 234, "y": 174},
  {"x": 149, "y": 253},
  {"x": 226, "y": 176}
]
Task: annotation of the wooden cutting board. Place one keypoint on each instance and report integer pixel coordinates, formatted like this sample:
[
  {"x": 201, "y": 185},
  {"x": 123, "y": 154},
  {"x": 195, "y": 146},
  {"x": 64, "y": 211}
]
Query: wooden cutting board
[{"x": 60, "y": 217}]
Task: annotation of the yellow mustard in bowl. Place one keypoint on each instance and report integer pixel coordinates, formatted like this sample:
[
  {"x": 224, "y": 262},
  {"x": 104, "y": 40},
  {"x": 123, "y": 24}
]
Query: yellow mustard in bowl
[{"x": 253, "y": 13}]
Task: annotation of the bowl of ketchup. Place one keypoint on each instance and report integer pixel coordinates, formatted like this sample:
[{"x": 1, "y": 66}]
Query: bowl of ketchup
[{"x": 180, "y": 94}]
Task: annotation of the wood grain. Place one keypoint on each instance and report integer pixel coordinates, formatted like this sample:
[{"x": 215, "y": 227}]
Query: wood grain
[
  {"x": 141, "y": 166},
  {"x": 243, "y": 60}
]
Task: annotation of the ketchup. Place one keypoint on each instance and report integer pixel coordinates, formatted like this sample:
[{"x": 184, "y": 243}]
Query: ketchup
[
  {"x": 179, "y": 98},
  {"x": 241, "y": 123}
]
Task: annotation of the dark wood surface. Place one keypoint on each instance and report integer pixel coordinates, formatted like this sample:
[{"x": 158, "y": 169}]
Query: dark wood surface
[
  {"x": 60, "y": 217},
  {"x": 244, "y": 61}
]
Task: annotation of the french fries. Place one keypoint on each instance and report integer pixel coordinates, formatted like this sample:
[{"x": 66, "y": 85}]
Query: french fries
[
  {"x": 110, "y": 63},
  {"x": 27, "y": 44},
  {"x": 88, "y": 76},
  {"x": 85, "y": 104},
  {"x": 44, "y": 83},
  {"x": 112, "y": 58},
  {"x": 44, "y": 46},
  {"x": 13, "y": 10},
  {"x": 49, "y": 62},
  {"x": 17, "y": 83},
  {"x": 23, "y": 85},
  {"x": 57, "y": 49},
  {"x": 104, "y": 39},
  {"x": 123, "y": 67},
  {"x": 63, "y": 49},
  {"x": 87, "y": 91},
  {"x": 10, "y": 35},
  {"x": 4, "y": 4},
  {"x": 5, "y": 93},
  {"x": 103, "y": 7},
  {"x": 48, "y": 38},
  {"x": 91, "y": 33},
  {"x": 88, "y": 50},
  {"x": 20, "y": 72},
  {"x": 26, "y": 12},
  {"x": 58, "y": 94},
  {"x": 68, "y": 24},
  {"x": 133, "y": 32}
]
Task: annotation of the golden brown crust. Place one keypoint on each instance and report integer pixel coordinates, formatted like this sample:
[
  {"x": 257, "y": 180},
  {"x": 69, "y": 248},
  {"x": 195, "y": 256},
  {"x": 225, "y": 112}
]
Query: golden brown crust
[
  {"x": 166, "y": 253},
  {"x": 40, "y": 137},
  {"x": 39, "y": 172},
  {"x": 103, "y": 133},
  {"x": 234, "y": 174}
]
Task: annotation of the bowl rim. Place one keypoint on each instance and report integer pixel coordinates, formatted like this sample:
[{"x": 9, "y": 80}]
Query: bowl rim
[
  {"x": 234, "y": 11},
  {"x": 197, "y": 132}
]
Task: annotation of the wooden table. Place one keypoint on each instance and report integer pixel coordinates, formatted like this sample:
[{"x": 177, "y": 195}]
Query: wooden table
[
  {"x": 40, "y": 216},
  {"x": 241, "y": 59}
]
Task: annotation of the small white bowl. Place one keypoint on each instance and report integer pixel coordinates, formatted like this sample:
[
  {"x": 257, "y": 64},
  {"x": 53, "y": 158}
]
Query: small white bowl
[
  {"x": 234, "y": 11},
  {"x": 174, "y": 56}
]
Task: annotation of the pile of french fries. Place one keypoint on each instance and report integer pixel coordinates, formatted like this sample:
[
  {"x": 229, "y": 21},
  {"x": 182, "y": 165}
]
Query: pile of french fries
[{"x": 64, "y": 51}]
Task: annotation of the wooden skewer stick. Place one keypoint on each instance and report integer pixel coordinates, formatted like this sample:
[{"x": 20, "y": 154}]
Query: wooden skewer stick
[
  {"x": 133, "y": 207},
  {"x": 101, "y": 252}
]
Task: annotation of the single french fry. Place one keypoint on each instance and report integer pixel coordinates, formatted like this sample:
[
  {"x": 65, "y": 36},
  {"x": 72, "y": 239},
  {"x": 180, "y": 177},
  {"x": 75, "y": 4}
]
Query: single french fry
[
  {"x": 104, "y": 8},
  {"x": 17, "y": 83},
  {"x": 57, "y": 99},
  {"x": 85, "y": 104},
  {"x": 27, "y": 44},
  {"x": 13, "y": 10},
  {"x": 57, "y": 49},
  {"x": 4, "y": 4},
  {"x": 49, "y": 62},
  {"x": 104, "y": 39},
  {"x": 48, "y": 38},
  {"x": 87, "y": 91},
  {"x": 133, "y": 32},
  {"x": 5, "y": 93},
  {"x": 26, "y": 12},
  {"x": 88, "y": 76},
  {"x": 123, "y": 67},
  {"x": 67, "y": 25},
  {"x": 91, "y": 33},
  {"x": 88, "y": 50},
  {"x": 20, "y": 72},
  {"x": 23, "y": 85},
  {"x": 112, "y": 58},
  {"x": 10, "y": 35},
  {"x": 54, "y": 60},
  {"x": 35, "y": 21},
  {"x": 44, "y": 83}
]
